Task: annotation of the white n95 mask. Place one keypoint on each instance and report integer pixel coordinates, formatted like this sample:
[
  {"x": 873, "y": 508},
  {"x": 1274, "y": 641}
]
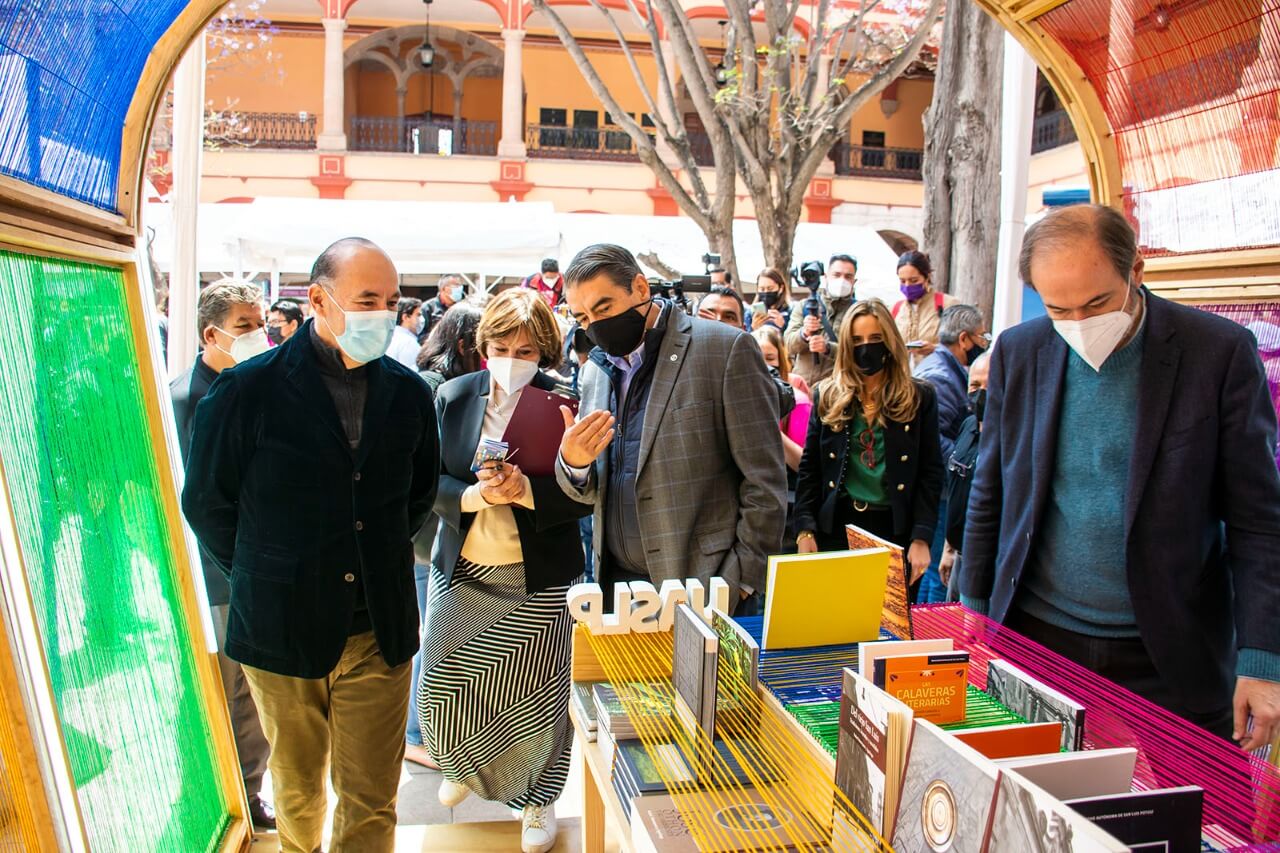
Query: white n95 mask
[{"x": 1094, "y": 339}]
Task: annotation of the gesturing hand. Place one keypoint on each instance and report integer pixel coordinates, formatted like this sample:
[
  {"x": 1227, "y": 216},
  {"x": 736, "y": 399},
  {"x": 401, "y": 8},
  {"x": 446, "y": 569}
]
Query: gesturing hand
[
  {"x": 501, "y": 484},
  {"x": 583, "y": 441},
  {"x": 1261, "y": 700}
]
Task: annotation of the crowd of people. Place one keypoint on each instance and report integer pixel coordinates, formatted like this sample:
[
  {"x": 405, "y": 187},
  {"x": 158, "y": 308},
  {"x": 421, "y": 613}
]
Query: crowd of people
[{"x": 1103, "y": 480}]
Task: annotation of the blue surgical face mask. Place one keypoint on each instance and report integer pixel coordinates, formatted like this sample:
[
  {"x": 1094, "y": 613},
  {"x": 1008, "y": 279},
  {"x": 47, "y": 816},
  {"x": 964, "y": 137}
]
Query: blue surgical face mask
[
  {"x": 458, "y": 293},
  {"x": 367, "y": 334}
]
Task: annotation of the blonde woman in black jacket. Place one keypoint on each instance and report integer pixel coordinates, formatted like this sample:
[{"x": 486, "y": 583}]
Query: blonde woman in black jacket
[{"x": 872, "y": 456}]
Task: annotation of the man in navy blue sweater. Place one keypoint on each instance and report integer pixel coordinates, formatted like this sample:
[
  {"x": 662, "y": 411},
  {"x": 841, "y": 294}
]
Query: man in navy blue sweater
[{"x": 1126, "y": 507}]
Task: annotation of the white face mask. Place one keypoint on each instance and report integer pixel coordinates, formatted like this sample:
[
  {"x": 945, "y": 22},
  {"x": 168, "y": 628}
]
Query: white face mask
[
  {"x": 839, "y": 288},
  {"x": 512, "y": 374},
  {"x": 550, "y": 280},
  {"x": 246, "y": 346},
  {"x": 1094, "y": 339}
]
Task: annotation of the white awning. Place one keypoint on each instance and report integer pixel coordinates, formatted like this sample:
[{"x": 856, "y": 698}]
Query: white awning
[{"x": 492, "y": 239}]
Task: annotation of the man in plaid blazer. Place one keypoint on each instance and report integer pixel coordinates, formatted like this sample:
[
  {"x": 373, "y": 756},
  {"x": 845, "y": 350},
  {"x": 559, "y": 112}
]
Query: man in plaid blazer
[{"x": 677, "y": 442}]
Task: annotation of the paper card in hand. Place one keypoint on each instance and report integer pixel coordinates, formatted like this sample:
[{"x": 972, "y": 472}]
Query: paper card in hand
[{"x": 535, "y": 430}]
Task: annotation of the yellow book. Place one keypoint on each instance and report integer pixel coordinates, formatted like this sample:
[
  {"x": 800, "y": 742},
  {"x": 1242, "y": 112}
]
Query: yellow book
[{"x": 824, "y": 599}]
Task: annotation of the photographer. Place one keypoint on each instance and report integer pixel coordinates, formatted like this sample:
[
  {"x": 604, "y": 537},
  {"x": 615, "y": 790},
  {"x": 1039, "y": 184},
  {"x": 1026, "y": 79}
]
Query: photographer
[{"x": 811, "y": 335}]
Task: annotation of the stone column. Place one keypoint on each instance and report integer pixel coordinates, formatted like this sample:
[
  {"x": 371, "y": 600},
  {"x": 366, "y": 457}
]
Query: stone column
[
  {"x": 511, "y": 144},
  {"x": 1017, "y": 116},
  {"x": 401, "y": 93},
  {"x": 188, "y": 149},
  {"x": 332, "y": 135}
]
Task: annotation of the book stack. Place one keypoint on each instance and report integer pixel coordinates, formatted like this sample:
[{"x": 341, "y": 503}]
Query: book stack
[
  {"x": 641, "y": 703},
  {"x": 584, "y": 704},
  {"x": 640, "y": 769}
]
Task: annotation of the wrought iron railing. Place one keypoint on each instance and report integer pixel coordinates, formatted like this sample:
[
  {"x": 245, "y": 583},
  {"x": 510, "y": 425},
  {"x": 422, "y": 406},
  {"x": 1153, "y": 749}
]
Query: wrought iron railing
[
  {"x": 260, "y": 130},
  {"x": 871, "y": 161},
  {"x": 1051, "y": 130},
  {"x": 423, "y": 136},
  {"x": 580, "y": 143}
]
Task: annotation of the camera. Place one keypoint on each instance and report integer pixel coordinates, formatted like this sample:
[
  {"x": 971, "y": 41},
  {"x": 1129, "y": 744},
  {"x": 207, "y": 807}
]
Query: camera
[
  {"x": 675, "y": 290},
  {"x": 710, "y": 261},
  {"x": 810, "y": 276}
]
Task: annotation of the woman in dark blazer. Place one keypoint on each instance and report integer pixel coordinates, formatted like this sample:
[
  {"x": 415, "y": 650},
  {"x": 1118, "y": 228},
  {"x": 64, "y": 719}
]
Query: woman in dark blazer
[
  {"x": 494, "y": 689},
  {"x": 871, "y": 456}
]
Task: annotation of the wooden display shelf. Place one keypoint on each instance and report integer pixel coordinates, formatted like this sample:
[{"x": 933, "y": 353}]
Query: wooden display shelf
[
  {"x": 601, "y": 806},
  {"x": 600, "y": 803}
]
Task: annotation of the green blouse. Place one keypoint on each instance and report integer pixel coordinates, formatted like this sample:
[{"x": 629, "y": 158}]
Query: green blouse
[{"x": 863, "y": 482}]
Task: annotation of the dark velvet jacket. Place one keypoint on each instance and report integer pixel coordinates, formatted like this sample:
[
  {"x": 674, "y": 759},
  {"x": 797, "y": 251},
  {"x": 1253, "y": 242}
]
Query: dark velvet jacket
[
  {"x": 296, "y": 519},
  {"x": 913, "y": 471},
  {"x": 549, "y": 536}
]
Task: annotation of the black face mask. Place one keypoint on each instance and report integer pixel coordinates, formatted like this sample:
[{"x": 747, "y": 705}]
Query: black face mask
[
  {"x": 978, "y": 402},
  {"x": 971, "y": 353},
  {"x": 769, "y": 298},
  {"x": 620, "y": 334},
  {"x": 275, "y": 335},
  {"x": 871, "y": 357}
]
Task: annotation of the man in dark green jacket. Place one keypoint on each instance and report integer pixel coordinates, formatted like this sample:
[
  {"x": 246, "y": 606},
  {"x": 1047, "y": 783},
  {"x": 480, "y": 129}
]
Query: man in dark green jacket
[{"x": 311, "y": 468}]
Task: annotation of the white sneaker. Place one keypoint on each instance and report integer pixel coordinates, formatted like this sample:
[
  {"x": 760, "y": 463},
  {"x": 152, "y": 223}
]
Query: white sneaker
[
  {"x": 537, "y": 829},
  {"x": 452, "y": 793}
]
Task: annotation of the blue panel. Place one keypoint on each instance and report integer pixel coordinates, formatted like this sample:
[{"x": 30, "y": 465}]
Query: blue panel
[
  {"x": 1064, "y": 197},
  {"x": 1032, "y": 306},
  {"x": 68, "y": 72}
]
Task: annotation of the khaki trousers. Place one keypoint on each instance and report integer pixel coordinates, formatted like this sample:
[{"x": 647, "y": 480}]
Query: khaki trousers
[{"x": 353, "y": 721}]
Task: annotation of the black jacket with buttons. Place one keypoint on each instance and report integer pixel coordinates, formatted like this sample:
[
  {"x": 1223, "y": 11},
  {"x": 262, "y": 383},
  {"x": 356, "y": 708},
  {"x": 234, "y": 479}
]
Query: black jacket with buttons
[
  {"x": 913, "y": 471},
  {"x": 296, "y": 518}
]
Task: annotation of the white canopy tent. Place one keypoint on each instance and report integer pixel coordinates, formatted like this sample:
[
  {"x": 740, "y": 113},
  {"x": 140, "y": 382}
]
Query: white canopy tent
[
  {"x": 286, "y": 234},
  {"x": 283, "y": 236}
]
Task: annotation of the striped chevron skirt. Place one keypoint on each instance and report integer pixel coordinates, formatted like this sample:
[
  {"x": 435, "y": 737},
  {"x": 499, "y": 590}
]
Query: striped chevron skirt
[{"x": 494, "y": 691}]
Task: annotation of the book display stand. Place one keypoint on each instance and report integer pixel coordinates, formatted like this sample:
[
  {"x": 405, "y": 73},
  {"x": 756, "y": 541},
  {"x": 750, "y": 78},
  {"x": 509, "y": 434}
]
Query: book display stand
[{"x": 810, "y": 755}]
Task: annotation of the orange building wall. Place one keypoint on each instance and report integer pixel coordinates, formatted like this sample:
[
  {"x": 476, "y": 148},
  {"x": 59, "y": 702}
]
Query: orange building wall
[
  {"x": 905, "y": 128},
  {"x": 255, "y": 85},
  {"x": 551, "y": 79}
]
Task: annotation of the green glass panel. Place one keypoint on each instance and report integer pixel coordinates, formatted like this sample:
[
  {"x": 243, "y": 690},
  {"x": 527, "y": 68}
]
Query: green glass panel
[{"x": 94, "y": 538}]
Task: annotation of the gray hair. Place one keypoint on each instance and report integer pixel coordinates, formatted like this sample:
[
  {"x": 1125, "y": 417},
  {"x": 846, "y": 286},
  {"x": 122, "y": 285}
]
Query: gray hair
[
  {"x": 957, "y": 319},
  {"x": 603, "y": 259},
  {"x": 1067, "y": 227},
  {"x": 216, "y": 300}
]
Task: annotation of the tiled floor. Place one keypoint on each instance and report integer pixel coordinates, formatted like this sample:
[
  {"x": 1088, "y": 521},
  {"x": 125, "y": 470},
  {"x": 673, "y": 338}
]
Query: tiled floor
[{"x": 425, "y": 825}]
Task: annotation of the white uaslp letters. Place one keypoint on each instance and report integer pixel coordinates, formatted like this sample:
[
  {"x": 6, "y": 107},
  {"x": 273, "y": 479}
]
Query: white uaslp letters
[{"x": 641, "y": 609}]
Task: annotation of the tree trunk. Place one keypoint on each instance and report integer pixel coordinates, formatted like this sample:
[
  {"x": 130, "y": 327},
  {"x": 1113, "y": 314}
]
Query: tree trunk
[{"x": 962, "y": 157}]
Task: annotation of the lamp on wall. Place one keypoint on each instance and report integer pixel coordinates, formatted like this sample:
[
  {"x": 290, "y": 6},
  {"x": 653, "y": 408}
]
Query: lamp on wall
[
  {"x": 724, "y": 69},
  {"x": 426, "y": 53}
]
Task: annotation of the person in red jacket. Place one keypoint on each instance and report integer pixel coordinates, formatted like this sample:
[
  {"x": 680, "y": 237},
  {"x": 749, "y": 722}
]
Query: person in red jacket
[{"x": 549, "y": 283}]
